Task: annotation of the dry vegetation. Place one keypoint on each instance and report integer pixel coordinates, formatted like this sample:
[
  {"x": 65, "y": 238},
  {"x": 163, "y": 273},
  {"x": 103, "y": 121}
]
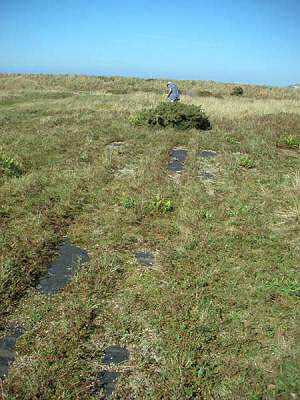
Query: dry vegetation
[{"x": 218, "y": 315}]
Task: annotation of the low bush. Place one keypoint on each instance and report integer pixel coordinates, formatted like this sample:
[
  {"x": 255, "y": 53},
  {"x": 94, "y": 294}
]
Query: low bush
[
  {"x": 10, "y": 166},
  {"x": 129, "y": 202},
  {"x": 292, "y": 141},
  {"x": 162, "y": 205},
  {"x": 176, "y": 115},
  {"x": 232, "y": 139},
  {"x": 237, "y": 91},
  {"x": 207, "y": 93},
  {"x": 202, "y": 93},
  {"x": 120, "y": 90},
  {"x": 247, "y": 162}
]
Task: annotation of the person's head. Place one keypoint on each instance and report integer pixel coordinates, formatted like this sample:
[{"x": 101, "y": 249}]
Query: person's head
[{"x": 169, "y": 83}]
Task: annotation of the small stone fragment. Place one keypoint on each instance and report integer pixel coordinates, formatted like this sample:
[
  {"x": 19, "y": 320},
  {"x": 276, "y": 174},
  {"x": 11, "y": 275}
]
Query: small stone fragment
[
  {"x": 208, "y": 154},
  {"x": 115, "y": 144},
  {"x": 146, "y": 259}
]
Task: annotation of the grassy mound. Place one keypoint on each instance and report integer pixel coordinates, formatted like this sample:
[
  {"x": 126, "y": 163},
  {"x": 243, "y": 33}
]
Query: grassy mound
[{"x": 176, "y": 115}]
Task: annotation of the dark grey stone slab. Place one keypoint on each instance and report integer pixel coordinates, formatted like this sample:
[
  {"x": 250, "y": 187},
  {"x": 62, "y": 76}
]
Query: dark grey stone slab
[
  {"x": 178, "y": 158},
  {"x": 207, "y": 154},
  {"x": 108, "y": 379},
  {"x": 115, "y": 355},
  {"x": 146, "y": 259},
  {"x": 107, "y": 382},
  {"x": 61, "y": 272},
  {"x": 8, "y": 350}
]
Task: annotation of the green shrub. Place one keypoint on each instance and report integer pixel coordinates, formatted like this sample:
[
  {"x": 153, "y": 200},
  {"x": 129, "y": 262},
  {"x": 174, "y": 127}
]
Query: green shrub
[
  {"x": 124, "y": 90},
  {"x": 10, "y": 166},
  {"x": 207, "y": 93},
  {"x": 247, "y": 162},
  {"x": 237, "y": 91},
  {"x": 162, "y": 205},
  {"x": 292, "y": 141},
  {"x": 84, "y": 157},
  {"x": 204, "y": 93},
  {"x": 129, "y": 202},
  {"x": 176, "y": 115},
  {"x": 207, "y": 214},
  {"x": 231, "y": 139}
]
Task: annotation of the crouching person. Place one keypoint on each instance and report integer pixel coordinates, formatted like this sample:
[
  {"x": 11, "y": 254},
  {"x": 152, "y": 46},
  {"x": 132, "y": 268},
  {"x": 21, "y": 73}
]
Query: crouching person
[{"x": 174, "y": 93}]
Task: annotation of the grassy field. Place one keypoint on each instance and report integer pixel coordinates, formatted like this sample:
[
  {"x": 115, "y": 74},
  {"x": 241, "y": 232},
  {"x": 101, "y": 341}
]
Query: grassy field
[{"x": 217, "y": 317}]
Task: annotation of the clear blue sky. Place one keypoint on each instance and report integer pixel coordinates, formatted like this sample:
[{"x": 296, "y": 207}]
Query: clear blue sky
[{"x": 254, "y": 41}]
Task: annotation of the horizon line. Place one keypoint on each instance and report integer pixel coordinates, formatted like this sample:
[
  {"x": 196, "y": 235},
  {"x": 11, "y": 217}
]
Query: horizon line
[{"x": 159, "y": 78}]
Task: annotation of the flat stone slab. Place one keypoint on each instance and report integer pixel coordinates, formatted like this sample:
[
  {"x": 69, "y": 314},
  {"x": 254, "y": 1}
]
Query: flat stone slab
[
  {"x": 144, "y": 258},
  {"x": 115, "y": 145},
  {"x": 107, "y": 382},
  {"x": 8, "y": 350},
  {"x": 207, "y": 154},
  {"x": 108, "y": 379},
  {"x": 62, "y": 271},
  {"x": 178, "y": 158},
  {"x": 115, "y": 355}
]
